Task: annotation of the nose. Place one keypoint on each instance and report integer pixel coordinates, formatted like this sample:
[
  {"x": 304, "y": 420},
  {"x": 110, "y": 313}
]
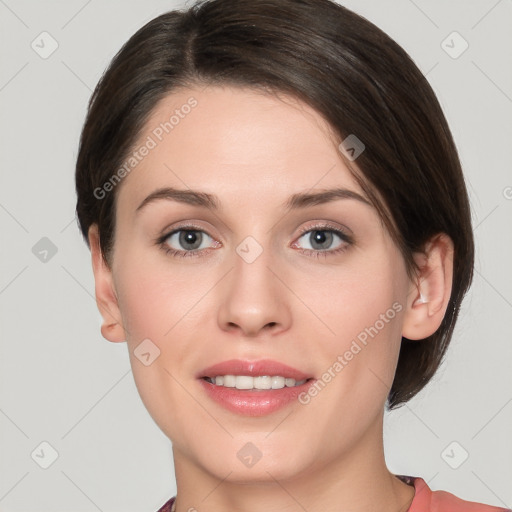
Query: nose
[{"x": 254, "y": 298}]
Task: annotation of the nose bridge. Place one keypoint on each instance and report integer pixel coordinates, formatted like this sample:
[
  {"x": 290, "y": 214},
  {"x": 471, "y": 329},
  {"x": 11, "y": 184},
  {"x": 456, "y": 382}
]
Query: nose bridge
[{"x": 253, "y": 297}]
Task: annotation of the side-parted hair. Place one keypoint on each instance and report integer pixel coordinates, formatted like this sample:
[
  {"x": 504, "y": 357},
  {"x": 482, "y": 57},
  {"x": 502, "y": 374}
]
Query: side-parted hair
[{"x": 347, "y": 69}]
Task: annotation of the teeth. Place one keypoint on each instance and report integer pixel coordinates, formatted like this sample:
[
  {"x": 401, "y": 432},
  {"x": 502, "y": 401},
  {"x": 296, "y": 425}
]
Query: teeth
[
  {"x": 248, "y": 382},
  {"x": 278, "y": 382},
  {"x": 244, "y": 382},
  {"x": 229, "y": 381}
]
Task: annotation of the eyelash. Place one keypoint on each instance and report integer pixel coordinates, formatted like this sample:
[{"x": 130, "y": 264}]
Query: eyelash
[{"x": 161, "y": 241}]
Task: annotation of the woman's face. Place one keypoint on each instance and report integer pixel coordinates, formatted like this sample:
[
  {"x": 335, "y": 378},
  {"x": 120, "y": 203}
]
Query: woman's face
[{"x": 318, "y": 287}]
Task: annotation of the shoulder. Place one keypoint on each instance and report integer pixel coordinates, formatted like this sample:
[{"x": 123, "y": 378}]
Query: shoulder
[
  {"x": 168, "y": 506},
  {"x": 426, "y": 500},
  {"x": 444, "y": 501}
]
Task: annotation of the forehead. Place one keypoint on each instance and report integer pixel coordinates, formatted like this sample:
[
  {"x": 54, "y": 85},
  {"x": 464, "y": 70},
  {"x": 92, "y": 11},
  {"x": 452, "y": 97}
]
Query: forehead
[{"x": 240, "y": 144}]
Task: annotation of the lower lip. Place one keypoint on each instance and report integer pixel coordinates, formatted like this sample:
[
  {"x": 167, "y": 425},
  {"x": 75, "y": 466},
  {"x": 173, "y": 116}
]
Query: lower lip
[{"x": 253, "y": 403}]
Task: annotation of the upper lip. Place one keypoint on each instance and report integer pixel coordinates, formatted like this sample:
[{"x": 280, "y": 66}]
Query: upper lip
[{"x": 254, "y": 369}]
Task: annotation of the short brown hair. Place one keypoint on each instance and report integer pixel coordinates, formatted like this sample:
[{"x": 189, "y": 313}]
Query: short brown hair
[{"x": 343, "y": 66}]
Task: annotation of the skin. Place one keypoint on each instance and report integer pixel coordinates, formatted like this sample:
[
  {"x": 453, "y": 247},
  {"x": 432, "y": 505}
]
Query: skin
[{"x": 254, "y": 150}]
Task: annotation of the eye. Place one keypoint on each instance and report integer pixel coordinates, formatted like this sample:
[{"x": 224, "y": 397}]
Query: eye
[
  {"x": 188, "y": 241},
  {"x": 321, "y": 238},
  {"x": 185, "y": 242}
]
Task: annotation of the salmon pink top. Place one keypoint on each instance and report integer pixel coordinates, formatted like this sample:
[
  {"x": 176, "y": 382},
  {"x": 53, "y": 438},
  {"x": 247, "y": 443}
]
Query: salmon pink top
[{"x": 424, "y": 500}]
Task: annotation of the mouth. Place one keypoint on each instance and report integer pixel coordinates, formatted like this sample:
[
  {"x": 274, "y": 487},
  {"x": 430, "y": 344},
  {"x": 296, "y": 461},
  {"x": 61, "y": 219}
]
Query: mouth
[{"x": 253, "y": 388}]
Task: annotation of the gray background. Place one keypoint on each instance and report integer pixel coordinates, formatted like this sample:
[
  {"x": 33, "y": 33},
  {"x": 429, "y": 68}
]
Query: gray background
[{"x": 62, "y": 383}]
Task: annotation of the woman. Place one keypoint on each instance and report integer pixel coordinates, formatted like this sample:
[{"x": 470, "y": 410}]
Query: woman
[{"x": 280, "y": 231}]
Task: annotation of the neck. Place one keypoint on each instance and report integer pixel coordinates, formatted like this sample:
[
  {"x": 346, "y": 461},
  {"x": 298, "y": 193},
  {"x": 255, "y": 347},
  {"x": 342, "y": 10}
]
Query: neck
[{"x": 357, "y": 480}]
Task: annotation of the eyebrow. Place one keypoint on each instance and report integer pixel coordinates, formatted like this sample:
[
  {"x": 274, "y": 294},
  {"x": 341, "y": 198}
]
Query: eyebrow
[{"x": 294, "y": 202}]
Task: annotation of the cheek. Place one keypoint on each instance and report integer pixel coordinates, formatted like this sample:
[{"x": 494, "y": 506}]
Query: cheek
[
  {"x": 359, "y": 302},
  {"x": 156, "y": 307},
  {"x": 154, "y": 299},
  {"x": 361, "y": 309}
]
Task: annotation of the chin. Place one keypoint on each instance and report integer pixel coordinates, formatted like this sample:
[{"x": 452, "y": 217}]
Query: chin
[{"x": 245, "y": 460}]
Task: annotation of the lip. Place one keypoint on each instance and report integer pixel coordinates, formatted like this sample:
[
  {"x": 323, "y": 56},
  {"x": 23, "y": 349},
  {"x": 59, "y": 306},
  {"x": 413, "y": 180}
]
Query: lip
[
  {"x": 253, "y": 403},
  {"x": 254, "y": 369}
]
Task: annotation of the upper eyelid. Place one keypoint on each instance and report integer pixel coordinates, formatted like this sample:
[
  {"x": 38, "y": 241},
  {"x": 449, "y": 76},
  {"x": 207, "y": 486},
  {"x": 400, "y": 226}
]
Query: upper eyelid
[{"x": 326, "y": 226}]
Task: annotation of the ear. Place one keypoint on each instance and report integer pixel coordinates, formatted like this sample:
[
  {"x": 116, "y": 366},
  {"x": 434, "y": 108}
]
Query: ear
[
  {"x": 430, "y": 293},
  {"x": 106, "y": 298}
]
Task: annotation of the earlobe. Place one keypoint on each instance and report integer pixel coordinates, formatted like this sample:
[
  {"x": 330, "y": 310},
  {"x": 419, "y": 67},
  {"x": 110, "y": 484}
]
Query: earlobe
[
  {"x": 106, "y": 298},
  {"x": 430, "y": 294}
]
